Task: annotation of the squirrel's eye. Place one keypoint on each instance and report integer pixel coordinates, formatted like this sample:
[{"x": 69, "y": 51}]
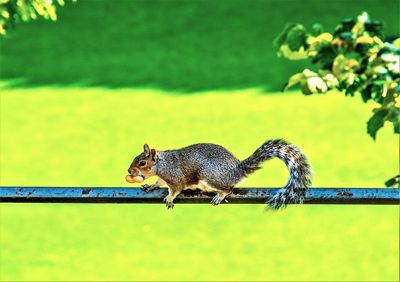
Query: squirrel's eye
[{"x": 142, "y": 163}]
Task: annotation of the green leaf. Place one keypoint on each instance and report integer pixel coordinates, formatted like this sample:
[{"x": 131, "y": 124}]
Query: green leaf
[
  {"x": 293, "y": 80},
  {"x": 281, "y": 38},
  {"x": 317, "y": 29},
  {"x": 347, "y": 24},
  {"x": 377, "y": 90},
  {"x": 366, "y": 93},
  {"x": 296, "y": 38},
  {"x": 315, "y": 85},
  {"x": 285, "y": 51},
  {"x": 326, "y": 55},
  {"x": 394, "y": 181},
  {"x": 376, "y": 122},
  {"x": 394, "y": 117},
  {"x": 346, "y": 36}
]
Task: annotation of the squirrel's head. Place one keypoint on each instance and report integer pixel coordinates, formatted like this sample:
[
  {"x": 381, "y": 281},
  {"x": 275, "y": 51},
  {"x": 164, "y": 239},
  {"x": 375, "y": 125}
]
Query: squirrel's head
[{"x": 141, "y": 167}]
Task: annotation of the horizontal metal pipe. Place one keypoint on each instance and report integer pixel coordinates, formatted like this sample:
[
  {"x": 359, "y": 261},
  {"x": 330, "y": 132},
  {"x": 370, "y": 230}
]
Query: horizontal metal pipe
[{"x": 378, "y": 196}]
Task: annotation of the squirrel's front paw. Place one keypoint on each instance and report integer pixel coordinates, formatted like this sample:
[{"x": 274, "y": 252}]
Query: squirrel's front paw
[{"x": 148, "y": 188}]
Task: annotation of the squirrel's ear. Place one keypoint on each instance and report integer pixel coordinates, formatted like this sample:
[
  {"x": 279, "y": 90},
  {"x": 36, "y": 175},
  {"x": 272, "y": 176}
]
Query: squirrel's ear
[
  {"x": 146, "y": 149},
  {"x": 153, "y": 153}
]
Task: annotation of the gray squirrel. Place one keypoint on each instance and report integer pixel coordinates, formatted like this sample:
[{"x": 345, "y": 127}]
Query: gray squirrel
[{"x": 212, "y": 168}]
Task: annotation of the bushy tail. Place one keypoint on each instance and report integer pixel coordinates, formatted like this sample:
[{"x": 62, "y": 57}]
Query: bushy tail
[{"x": 300, "y": 171}]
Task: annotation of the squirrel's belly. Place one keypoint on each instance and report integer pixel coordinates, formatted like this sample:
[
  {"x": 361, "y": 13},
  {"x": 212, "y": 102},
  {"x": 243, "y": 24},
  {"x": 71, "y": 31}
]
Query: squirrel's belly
[
  {"x": 191, "y": 187},
  {"x": 203, "y": 186}
]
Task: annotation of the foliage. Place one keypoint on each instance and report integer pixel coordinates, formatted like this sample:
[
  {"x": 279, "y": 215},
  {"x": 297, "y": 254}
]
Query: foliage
[
  {"x": 15, "y": 11},
  {"x": 353, "y": 59},
  {"x": 167, "y": 44}
]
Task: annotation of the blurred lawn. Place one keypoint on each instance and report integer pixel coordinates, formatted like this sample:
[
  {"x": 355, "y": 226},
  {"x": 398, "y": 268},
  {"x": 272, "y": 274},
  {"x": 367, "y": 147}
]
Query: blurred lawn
[
  {"x": 174, "y": 44},
  {"x": 87, "y": 137}
]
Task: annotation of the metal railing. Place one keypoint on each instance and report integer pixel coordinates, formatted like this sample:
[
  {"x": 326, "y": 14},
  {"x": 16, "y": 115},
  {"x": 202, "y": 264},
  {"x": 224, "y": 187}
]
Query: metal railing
[{"x": 377, "y": 196}]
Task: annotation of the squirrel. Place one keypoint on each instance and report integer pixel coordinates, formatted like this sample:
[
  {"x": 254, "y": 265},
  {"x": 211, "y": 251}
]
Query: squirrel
[{"x": 212, "y": 168}]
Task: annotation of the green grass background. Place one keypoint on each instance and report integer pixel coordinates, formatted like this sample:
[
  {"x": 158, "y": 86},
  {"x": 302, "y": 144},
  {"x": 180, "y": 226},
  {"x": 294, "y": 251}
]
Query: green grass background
[
  {"x": 62, "y": 137},
  {"x": 110, "y": 76}
]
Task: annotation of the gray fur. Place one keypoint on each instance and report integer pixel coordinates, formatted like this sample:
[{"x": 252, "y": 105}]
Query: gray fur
[{"x": 209, "y": 162}]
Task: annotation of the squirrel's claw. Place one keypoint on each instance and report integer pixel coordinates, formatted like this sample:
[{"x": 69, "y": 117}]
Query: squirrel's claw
[
  {"x": 148, "y": 188},
  {"x": 216, "y": 200},
  {"x": 168, "y": 203}
]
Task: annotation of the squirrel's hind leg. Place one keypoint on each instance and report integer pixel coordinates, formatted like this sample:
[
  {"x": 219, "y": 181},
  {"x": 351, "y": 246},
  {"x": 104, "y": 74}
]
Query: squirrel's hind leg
[
  {"x": 213, "y": 186},
  {"x": 219, "y": 197}
]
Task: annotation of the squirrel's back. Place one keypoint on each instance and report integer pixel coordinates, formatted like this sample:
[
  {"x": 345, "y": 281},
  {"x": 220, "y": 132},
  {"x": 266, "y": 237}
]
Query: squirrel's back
[{"x": 204, "y": 161}]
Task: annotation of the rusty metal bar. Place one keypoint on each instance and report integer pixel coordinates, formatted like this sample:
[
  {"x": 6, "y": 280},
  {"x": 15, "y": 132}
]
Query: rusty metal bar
[{"x": 377, "y": 196}]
